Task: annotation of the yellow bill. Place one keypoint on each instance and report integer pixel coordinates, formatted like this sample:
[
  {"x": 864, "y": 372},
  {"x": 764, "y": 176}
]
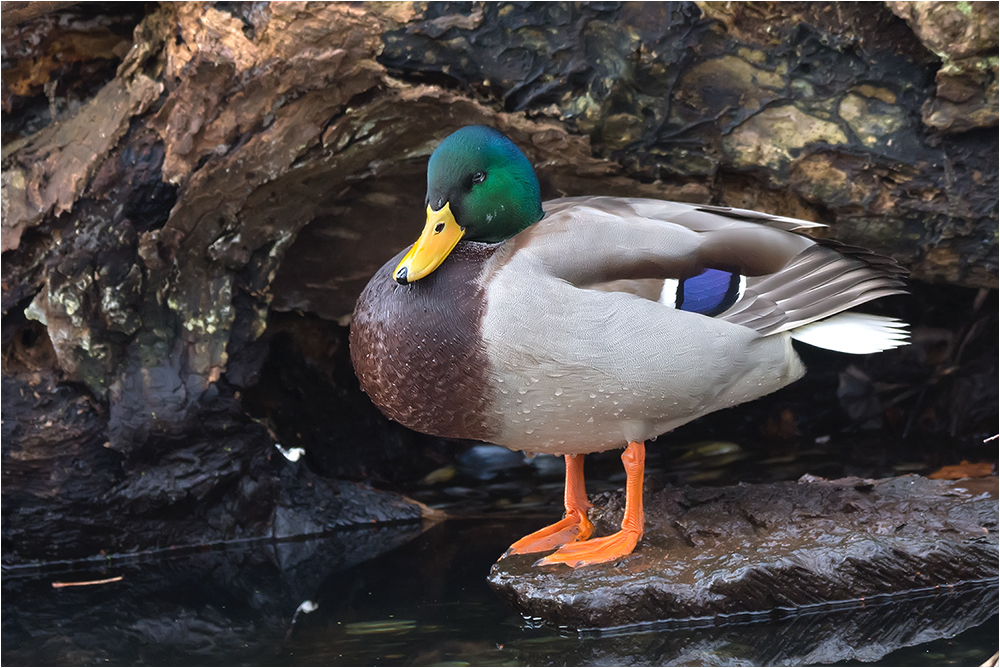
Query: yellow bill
[{"x": 440, "y": 235}]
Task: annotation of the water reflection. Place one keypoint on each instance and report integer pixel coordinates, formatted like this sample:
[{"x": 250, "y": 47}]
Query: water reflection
[
  {"x": 235, "y": 605},
  {"x": 858, "y": 631},
  {"x": 390, "y": 597},
  {"x": 419, "y": 613}
]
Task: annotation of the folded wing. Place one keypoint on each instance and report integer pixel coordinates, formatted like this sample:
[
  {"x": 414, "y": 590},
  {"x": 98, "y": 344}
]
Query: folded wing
[{"x": 744, "y": 267}]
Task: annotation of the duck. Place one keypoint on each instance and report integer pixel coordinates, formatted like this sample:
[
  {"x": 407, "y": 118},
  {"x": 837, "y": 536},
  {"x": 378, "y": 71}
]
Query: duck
[{"x": 590, "y": 323}]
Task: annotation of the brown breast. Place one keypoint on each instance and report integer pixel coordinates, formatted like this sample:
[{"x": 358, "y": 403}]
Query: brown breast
[{"x": 417, "y": 348}]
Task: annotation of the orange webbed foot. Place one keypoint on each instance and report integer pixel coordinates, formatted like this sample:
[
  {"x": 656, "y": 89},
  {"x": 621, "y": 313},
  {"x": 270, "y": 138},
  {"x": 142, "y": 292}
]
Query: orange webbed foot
[
  {"x": 595, "y": 551},
  {"x": 617, "y": 545},
  {"x": 574, "y": 527}
]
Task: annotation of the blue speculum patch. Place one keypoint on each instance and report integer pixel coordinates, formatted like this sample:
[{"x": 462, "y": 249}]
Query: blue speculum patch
[{"x": 710, "y": 293}]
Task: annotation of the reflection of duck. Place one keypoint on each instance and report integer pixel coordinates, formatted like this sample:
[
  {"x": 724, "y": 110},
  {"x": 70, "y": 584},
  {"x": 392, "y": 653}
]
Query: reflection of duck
[{"x": 587, "y": 323}]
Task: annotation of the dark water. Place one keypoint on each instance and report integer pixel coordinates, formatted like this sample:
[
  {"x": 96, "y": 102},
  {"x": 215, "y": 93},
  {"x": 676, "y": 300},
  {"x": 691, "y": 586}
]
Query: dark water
[
  {"x": 423, "y": 600},
  {"x": 417, "y": 595}
]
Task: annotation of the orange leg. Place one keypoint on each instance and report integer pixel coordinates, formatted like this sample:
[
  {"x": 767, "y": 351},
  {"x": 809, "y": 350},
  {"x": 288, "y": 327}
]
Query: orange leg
[
  {"x": 619, "y": 544},
  {"x": 574, "y": 526}
]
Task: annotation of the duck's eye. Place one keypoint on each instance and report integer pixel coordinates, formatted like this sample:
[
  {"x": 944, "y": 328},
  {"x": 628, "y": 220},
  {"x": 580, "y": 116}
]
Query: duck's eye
[{"x": 478, "y": 177}]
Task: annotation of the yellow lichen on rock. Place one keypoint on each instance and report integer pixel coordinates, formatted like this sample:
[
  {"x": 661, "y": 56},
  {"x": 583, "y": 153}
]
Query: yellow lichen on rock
[
  {"x": 775, "y": 136},
  {"x": 817, "y": 179},
  {"x": 871, "y": 119}
]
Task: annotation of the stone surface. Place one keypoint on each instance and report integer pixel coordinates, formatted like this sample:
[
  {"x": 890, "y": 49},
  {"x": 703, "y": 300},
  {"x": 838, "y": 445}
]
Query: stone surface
[
  {"x": 964, "y": 36},
  {"x": 754, "y": 548}
]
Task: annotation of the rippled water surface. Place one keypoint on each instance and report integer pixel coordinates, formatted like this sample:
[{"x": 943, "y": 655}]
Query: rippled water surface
[
  {"x": 417, "y": 595},
  {"x": 423, "y": 600}
]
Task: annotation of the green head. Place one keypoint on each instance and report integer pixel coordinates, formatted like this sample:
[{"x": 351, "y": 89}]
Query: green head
[
  {"x": 491, "y": 186},
  {"x": 480, "y": 187}
]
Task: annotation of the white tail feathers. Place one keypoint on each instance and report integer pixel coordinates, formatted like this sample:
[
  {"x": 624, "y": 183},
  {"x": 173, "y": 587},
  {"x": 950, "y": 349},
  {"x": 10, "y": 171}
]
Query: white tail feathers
[{"x": 856, "y": 333}]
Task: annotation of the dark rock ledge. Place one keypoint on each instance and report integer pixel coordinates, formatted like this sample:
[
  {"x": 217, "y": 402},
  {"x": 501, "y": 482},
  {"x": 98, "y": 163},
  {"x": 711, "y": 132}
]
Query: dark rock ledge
[{"x": 752, "y": 548}]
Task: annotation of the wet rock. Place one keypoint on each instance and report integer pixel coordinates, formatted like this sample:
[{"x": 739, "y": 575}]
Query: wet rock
[
  {"x": 872, "y": 118},
  {"x": 756, "y": 548},
  {"x": 964, "y": 36},
  {"x": 773, "y": 137}
]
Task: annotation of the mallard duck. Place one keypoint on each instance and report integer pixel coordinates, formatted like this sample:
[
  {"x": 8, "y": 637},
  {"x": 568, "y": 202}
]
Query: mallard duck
[{"x": 584, "y": 324}]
